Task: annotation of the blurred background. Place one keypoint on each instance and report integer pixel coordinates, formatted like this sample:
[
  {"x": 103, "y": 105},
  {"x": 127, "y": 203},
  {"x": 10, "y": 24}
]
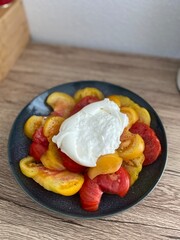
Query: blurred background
[{"x": 145, "y": 27}]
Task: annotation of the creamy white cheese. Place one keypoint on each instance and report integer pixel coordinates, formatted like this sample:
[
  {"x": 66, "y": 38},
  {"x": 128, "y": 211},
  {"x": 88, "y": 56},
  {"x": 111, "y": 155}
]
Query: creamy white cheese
[{"x": 92, "y": 132}]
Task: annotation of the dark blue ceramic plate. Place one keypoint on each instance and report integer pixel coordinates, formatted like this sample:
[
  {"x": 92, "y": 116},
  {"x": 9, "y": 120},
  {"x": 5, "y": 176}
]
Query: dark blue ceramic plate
[{"x": 70, "y": 206}]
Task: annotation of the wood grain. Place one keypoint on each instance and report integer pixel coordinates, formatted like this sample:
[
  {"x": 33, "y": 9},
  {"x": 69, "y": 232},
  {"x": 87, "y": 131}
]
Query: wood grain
[{"x": 42, "y": 67}]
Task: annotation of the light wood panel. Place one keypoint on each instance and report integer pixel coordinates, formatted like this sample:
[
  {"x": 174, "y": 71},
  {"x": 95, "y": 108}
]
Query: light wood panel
[{"x": 14, "y": 35}]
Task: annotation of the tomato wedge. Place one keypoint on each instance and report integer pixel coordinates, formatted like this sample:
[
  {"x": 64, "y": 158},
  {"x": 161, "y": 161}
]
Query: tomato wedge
[
  {"x": 36, "y": 150},
  {"x": 115, "y": 183},
  {"x": 70, "y": 165},
  {"x": 152, "y": 144},
  {"x": 84, "y": 102},
  {"x": 90, "y": 195},
  {"x": 92, "y": 189},
  {"x": 38, "y": 137}
]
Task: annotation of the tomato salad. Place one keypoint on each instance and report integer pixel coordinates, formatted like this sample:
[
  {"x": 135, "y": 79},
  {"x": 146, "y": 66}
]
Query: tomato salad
[{"x": 114, "y": 173}]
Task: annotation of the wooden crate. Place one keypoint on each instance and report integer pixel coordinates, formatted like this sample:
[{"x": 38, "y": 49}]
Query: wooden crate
[{"x": 14, "y": 35}]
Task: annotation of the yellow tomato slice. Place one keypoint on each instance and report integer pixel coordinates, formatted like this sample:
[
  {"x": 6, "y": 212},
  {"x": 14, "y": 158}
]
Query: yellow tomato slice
[
  {"x": 143, "y": 114},
  {"x": 61, "y": 103},
  {"x": 132, "y": 115},
  {"x": 125, "y": 101},
  {"x": 61, "y": 182},
  {"x": 65, "y": 183},
  {"x": 88, "y": 92},
  {"x": 134, "y": 149},
  {"x": 29, "y": 167},
  {"x": 115, "y": 99},
  {"x": 134, "y": 167},
  {"x": 108, "y": 163},
  {"x": 51, "y": 126},
  {"x": 126, "y": 139},
  {"x": 32, "y": 124},
  {"x": 51, "y": 158}
]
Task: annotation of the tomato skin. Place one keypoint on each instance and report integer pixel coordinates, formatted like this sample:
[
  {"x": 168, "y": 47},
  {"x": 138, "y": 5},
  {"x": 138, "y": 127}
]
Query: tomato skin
[
  {"x": 90, "y": 195},
  {"x": 36, "y": 150},
  {"x": 115, "y": 183},
  {"x": 55, "y": 113},
  {"x": 70, "y": 165},
  {"x": 152, "y": 150},
  {"x": 152, "y": 143},
  {"x": 84, "y": 102},
  {"x": 92, "y": 189},
  {"x": 38, "y": 137},
  {"x": 142, "y": 129}
]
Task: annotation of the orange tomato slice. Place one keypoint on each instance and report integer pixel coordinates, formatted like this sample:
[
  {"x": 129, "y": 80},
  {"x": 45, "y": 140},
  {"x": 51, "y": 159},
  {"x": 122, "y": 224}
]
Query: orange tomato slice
[{"x": 108, "y": 163}]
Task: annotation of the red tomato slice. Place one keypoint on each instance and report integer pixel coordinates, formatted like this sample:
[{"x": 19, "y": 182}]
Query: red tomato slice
[
  {"x": 142, "y": 129},
  {"x": 90, "y": 195},
  {"x": 152, "y": 143},
  {"x": 92, "y": 190},
  {"x": 115, "y": 183},
  {"x": 152, "y": 150},
  {"x": 36, "y": 150},
  {"x": 38, "y": 137},
  {"x": 70, "y": 165},
  {"x": 84, "y": 102}
]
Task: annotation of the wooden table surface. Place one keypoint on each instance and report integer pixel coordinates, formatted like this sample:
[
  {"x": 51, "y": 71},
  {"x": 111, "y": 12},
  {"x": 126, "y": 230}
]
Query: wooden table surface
[{"x": 42, "y": 67}]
